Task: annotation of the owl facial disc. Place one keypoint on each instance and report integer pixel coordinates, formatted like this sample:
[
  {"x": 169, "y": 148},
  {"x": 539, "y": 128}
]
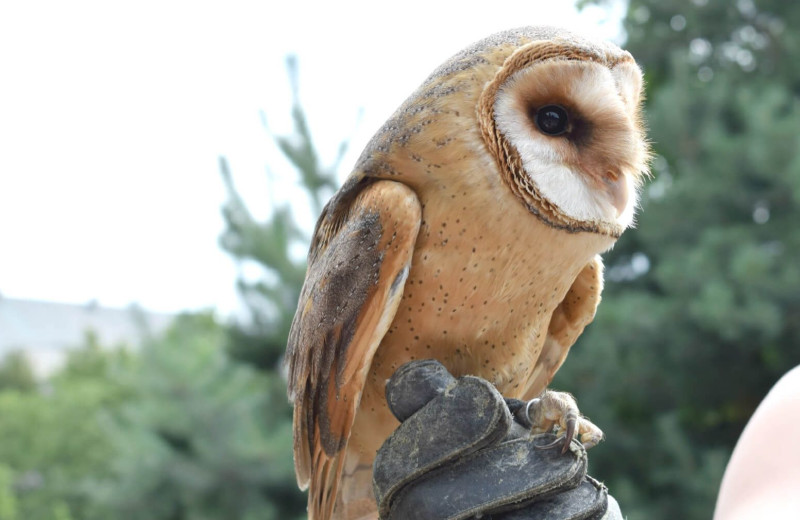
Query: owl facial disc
[{"x": 576, "y": 151}]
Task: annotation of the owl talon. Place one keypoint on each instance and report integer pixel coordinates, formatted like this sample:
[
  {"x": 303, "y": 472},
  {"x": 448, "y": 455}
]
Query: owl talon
[
  {"x": 566, "y": 439},
  {"x": 555, "y": 444},
  {"x": 559, "y": 410},
  {"x": 572, "y": 419}
]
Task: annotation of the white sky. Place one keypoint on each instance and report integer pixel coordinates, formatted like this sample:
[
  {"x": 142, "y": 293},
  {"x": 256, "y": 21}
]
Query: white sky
[{"x": 113, "y": 114}]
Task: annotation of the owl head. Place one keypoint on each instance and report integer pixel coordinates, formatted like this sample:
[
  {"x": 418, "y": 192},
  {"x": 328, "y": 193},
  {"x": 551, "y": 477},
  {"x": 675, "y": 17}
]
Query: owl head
[{"x": 562, "y": 118}]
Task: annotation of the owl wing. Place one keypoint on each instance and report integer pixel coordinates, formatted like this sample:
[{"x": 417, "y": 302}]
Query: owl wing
[
  {"x": 358, "y": 266},
  {"x": 572, "y": 315}
]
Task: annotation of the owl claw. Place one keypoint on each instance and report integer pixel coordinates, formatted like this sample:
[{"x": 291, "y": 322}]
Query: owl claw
[
  {"x": 559, "y": 410},
  {"x": 566, "y": 439},
  {"x": 555, "y": 444}
]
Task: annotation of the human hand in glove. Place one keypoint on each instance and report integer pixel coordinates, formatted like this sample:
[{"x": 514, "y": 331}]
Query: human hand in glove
[{"x": 459, "y": 453}]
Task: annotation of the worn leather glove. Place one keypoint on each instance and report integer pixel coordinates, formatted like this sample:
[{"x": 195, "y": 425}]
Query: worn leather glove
[{"x": 459, "y": 453}]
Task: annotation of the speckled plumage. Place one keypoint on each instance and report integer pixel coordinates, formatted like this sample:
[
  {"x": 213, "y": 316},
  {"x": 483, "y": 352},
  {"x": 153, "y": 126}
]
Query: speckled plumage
[{"x": 442, "y": 244}]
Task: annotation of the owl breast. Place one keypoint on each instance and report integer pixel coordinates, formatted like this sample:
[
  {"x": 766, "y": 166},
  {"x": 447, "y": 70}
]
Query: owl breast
[{"x": 485, "y": 278}]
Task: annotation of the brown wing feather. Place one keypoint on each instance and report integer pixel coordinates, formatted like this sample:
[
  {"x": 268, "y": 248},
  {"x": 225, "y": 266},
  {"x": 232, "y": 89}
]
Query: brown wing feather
[
  {"x": 572, "y": 315},
  {"x": 353, "y": 286}
]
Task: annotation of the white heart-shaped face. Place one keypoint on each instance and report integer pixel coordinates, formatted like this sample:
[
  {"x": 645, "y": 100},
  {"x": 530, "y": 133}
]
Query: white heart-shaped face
[{"x": 590, "y": 171}]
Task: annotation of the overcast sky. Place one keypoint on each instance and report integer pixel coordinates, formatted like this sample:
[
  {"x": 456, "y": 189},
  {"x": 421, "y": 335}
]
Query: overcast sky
[{"x": 113, "y": 115}]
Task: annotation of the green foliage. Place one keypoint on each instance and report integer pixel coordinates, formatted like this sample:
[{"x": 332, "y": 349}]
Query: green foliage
[
  {"x": 16, "y": 373},
  {"x": 202, "y": 436},
  {"x": 175, "y": 430},
  {"x": 52, "y": 441},
  {"x": 8, "y": 500},
  {"x": 686, "y": 345}
]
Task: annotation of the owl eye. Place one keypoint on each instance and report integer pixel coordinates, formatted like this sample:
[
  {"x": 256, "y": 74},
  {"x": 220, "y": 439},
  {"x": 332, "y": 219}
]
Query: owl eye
[{"x": 552, "y": 120}]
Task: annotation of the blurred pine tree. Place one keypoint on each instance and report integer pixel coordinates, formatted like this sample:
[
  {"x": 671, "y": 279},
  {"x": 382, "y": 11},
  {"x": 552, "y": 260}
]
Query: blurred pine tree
[
  {"x": 272, "y": 300},
  {"x": 202, "y": 435},
  {"x": 53, "y": 445}
]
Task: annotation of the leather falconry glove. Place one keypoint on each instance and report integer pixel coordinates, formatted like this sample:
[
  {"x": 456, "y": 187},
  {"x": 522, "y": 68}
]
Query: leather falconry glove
[{"x": 463, "y": 451}]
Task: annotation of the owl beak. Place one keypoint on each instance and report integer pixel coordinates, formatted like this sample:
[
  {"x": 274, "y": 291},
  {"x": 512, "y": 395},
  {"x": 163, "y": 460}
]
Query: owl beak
[{"x": 617, "y": 188}]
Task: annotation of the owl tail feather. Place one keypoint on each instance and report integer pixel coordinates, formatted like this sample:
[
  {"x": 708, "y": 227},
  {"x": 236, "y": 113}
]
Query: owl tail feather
[{"x": 324, "y": 488}]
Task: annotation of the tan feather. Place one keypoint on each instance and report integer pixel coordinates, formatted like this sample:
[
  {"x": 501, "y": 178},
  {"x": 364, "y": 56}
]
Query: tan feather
[
  {"x": 573, "y": 314},
  {"x": 352, "y": 290}
]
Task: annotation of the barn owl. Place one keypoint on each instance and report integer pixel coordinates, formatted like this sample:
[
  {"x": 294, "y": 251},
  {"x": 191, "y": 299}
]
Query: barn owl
[{"x": 469, "y": 232}]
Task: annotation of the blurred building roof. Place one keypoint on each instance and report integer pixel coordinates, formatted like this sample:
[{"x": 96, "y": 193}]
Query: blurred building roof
[{"x": 45, "y": 330}]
